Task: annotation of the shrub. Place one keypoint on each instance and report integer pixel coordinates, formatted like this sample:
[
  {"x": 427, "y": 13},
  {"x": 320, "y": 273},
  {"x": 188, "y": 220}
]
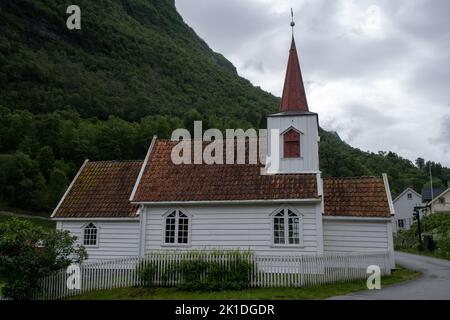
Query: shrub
[
  {"x": 215, "y": 270},
  {"x": 146, "y": 273},
  {"x": 28, "y": 253},
  {"x": 437, "y": 225}
]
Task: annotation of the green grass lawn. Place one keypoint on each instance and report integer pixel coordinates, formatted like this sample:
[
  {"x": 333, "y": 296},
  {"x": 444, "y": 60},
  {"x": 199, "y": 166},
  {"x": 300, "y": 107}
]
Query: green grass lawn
[
  {"x": 318, "y": 292},
  {"x": 4, "y": 206},
  {"x": 45, "y": 223}
]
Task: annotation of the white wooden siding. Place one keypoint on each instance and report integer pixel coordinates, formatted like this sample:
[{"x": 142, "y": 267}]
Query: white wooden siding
[
  {"x": 309, "y": 138},
  {"x": 232, "y": 227},
  {"x": 355, "y": 236},
  {"x": 116, "y": 239},
  {"x": 404, "y": 208},
  {"x": 438, "y": 207}
]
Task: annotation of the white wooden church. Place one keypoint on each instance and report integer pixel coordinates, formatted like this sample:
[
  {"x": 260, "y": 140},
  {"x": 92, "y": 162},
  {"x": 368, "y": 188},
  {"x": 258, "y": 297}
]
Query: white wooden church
[{"x": 131, "y": 208}]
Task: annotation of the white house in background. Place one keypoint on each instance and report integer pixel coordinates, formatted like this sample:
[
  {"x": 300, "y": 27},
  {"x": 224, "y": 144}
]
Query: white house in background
[
  {"x": 441, "y": 203},
  {"x": 131, "y": 208},
  {"x": 404, "y": 209}
]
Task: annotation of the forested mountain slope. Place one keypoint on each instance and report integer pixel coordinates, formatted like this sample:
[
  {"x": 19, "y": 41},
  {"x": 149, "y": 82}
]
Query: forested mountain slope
[{"x": 135, "y": 69}]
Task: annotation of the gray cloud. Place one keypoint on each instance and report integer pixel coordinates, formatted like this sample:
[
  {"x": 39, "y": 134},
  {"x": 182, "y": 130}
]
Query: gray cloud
[
  {"x": 423, "y": 19},
  {"x": 377, "y": 71},
  {"x": 254, "y": 65},
  {"x": 444, "y": 138}
]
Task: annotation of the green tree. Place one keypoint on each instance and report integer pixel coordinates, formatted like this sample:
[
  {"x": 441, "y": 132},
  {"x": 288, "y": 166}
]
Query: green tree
[
  {"x": 420, "y": 163},
  {"x": 45, "y": 159},
  {"x": 28, "y": 253},
  {"x": 57, "y": 185},
  {"x": 437, "y": 183}
]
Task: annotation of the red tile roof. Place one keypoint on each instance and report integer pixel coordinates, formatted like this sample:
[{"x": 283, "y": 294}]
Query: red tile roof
[
  {"x": 102, "y": 189},
  {"x": 164, "y": 181},
  {"x": 357, "y": 197}
]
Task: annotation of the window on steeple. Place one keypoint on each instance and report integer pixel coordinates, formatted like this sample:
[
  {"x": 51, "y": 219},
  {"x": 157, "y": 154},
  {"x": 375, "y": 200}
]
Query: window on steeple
[{"x": 291, "y": 144}]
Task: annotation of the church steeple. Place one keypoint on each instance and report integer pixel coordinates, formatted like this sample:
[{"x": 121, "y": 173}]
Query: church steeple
[
  {"x": 294, "y": 95},
  {"x": 293, "y": 142}
]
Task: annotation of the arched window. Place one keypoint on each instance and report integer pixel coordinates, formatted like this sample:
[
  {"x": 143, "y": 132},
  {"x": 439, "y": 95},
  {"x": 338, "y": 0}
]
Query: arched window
[
  {"x": 177, "y": 228},
  {"x": 291, "y": 144},
  {"x": 286, "y": 227},
  {"x": 90, "y": 235}
]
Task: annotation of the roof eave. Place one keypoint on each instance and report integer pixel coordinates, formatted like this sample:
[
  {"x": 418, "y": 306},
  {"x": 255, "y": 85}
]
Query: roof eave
[
  {"x": 388, "y": 194},
  {"x": 349, "y": 218},
  {"x": 228, "y": 202},
  {"x": 141, "y": 172},
  {"x": 96, "y": 218}
]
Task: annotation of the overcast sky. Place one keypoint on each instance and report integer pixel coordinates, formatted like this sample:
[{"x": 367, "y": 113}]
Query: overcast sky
[{"x": 377, "y": 72}]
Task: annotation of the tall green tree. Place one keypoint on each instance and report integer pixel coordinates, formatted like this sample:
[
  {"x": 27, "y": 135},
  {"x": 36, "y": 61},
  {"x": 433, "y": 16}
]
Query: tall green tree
[{"x": 420, "y": 163}]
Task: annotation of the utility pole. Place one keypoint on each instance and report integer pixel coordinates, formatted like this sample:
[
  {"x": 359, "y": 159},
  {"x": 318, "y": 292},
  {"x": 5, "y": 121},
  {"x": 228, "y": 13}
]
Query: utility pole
[
  {"x": 417, "y": 211},
  {"x": 431, "y": 181}
]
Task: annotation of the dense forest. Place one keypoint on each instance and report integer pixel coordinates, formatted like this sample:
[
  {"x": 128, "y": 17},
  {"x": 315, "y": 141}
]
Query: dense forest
[{"x": 135, "y": 69}]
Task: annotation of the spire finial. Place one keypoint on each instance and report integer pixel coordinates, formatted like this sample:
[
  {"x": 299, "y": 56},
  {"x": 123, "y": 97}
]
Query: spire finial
[
  {"x": 292, "y": 21},
  {"x": 294, "y": 95}
]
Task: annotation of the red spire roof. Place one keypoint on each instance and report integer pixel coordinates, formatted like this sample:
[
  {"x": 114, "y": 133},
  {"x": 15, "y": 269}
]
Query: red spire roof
[{"x": 294, "y": 96}]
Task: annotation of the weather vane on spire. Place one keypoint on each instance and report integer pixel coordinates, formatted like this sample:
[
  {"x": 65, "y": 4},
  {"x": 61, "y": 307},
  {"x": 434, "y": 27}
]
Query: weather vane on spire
[{"x": 292, "y": 21}]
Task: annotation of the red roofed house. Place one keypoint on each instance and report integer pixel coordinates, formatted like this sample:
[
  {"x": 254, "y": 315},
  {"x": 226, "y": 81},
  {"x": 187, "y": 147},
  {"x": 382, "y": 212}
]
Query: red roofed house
[{"x": 131, "y": 208}]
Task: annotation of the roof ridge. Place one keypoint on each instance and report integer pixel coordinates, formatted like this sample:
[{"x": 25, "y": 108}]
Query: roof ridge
[
  {"x": 200, "y": 139},
  {"x": 114, "y": 161},
  {"x": 353, "y": 178}
]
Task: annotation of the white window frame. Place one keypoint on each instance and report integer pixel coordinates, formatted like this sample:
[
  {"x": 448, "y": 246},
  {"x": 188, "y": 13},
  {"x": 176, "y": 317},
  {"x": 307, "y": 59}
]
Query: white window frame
[
  {"x": 164, "y": 218},
  {"x": 409, "y": 196},
  {"x": 403, "y": 224},
  {"x": 97, "y": 239},
  {"x": 286, "y": 210}
]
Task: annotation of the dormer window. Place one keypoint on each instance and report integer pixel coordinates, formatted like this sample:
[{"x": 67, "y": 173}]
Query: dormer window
[{"x": 291, "y": 144}]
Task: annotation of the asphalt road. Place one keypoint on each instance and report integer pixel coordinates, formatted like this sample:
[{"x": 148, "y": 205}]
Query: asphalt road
[{"x": 434, "y": 284}]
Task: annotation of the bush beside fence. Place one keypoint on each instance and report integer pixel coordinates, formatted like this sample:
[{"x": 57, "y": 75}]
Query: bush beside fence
[{"x": 214, "y": 270}]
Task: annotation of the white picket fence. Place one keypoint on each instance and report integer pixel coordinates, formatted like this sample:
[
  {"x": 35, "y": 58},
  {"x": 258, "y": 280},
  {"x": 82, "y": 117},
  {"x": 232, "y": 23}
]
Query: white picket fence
[{"x": 268, "y": 271}]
